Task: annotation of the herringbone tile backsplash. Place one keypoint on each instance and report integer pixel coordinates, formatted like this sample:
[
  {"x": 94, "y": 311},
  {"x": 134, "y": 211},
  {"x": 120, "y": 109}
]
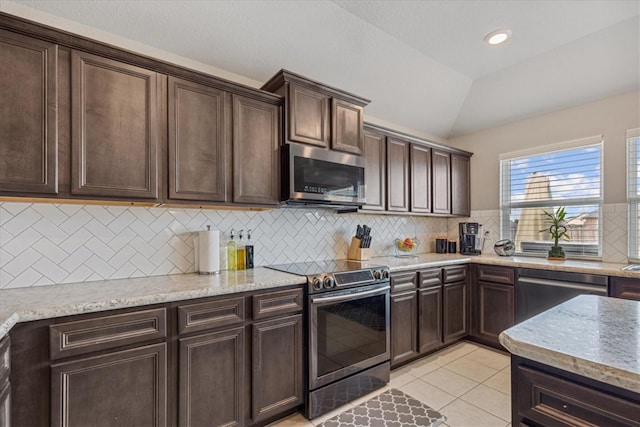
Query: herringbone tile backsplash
[{"x": 43, "y": 244}]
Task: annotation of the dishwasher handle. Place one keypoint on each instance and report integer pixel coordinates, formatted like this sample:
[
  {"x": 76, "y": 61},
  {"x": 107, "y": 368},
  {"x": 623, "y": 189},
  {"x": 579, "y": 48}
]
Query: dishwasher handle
[{"x": 596, "y": 289}]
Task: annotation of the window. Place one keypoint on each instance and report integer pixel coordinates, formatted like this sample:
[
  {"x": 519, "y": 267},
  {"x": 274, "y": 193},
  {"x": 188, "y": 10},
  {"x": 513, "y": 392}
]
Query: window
[
  {"x": 633, "y": 191},
  {"x": 543, "y": 179}
]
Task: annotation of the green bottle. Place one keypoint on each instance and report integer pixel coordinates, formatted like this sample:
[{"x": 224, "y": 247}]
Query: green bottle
[{"x": 232, "y": 249}]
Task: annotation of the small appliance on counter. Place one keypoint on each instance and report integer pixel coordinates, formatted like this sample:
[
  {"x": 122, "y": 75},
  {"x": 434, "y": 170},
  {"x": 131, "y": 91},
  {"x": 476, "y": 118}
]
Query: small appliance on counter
[
  {"x": 504, "y": 247},
  {"x": 471, "y": 238}
]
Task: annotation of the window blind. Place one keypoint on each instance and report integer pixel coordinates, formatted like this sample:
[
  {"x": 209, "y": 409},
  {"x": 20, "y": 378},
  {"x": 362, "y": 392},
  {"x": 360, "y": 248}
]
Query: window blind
[
  {"x": 542, "y": 180},
  {"x": 633, "y": 191}
]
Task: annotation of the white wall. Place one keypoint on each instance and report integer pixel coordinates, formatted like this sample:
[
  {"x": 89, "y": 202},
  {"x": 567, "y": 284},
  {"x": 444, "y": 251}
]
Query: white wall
[{"x": 610, "y": 117}]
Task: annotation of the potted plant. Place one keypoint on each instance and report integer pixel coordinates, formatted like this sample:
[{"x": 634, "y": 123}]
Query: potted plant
[{"x": 558, "y": 230}]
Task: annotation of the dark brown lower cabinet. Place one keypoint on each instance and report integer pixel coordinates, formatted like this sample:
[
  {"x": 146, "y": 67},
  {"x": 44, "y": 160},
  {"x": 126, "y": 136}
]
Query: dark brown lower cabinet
[
  {"x": 624, "y": 287},
  {"x": 494, "y": 311},
  {"x": 122, "y": 388},
  {"x": 211, "y": 379},
  {"x": 277, "y": 366},
  {"x": 404, "y": 332},
  {"x": 545, "y": 396},
  {"x": 429, "y": 318},
  {"x": 456, "y": 322}
]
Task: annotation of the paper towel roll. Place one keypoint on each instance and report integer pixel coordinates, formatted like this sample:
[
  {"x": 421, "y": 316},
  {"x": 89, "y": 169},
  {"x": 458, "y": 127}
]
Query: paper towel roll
[{"x": 209, "y": 251}]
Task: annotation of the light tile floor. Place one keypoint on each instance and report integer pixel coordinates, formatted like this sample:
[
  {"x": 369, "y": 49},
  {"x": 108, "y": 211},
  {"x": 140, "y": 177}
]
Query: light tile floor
[{"x": 470, "y": 384}]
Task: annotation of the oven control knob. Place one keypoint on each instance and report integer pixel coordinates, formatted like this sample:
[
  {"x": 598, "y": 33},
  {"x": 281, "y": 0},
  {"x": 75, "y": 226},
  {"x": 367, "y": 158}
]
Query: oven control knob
[
  {"x": 377, "y": 274},
  {"x": 316, "y": 283},
  {"x": 385, "y": 274},
  {"x": 329, "y": 282}
]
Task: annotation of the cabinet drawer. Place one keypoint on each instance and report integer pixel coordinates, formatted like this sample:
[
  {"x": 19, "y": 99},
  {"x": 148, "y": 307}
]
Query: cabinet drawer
[
  {"x": 491, "y": 273},
  {"x": 404, "y": 281},
  {"x": 547, "y": 400},
  {"x": 430, "y": 277},
  {"x": 277, "y": 303},
  {"x": 209, "y": 315},
  {"x": 5, "y": 360},
  {"x": 454, "y": 274},
  {"x": 84, "y": 336}
]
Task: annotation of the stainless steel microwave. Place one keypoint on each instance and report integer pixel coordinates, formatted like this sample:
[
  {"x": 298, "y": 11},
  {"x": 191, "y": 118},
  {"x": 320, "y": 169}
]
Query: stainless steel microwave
[{"x": 313, "y": 175}]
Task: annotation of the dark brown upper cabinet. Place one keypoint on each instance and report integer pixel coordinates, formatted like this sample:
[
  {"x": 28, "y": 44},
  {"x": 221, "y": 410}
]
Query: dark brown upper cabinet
[
  {"x": 308, "y": 116},
  {"x": 347, "y": 121},
  {"x": 375, "y": 171},
  {"x": 460, "y": 185},
  {"x": 441, "y": 164},
  {"x": 319, "y": 114},
  {"x": 397, "y": 175},
  {"x": 29, "y": 107},
  {"x": 420, "y": 178},
  {"x": 114, "y": 128},
  {"x": 198, "y": 142},
  {"x": 256, "y": 143}
]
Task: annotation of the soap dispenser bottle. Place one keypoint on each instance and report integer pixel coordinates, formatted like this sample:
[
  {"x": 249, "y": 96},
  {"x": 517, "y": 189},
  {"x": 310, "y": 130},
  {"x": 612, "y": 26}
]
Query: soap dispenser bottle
[
  {"x": 249, "y": 251},
  {"x": 240, "y": 253},
  {"x": 232, "y": 249}
]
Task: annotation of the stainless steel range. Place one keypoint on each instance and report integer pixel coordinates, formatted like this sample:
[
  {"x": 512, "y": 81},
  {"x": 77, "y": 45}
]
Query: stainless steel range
[{"x": 347, "y": 319}]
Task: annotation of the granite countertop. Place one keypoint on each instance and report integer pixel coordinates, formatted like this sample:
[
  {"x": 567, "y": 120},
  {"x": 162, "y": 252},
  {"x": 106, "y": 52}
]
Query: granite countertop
[
  {"x": 43, "y": 302},
  {"x": 439, "y": 260},
  {"x": 593, "y": 336}
]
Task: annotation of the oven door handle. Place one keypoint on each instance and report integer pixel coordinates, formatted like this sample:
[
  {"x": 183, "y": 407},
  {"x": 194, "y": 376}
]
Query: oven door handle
[
  {"x": 602, "y": 290},
  {"x": 350, "y": 295}
]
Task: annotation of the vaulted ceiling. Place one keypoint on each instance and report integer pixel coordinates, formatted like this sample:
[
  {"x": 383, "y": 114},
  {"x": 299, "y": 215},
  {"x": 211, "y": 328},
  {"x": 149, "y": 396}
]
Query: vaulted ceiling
[{"x": 423, "y": 63}]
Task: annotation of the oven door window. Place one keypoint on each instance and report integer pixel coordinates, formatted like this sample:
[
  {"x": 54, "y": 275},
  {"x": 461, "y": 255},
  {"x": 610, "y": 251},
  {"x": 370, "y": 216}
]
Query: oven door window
[
  {"x": 350, "y": 333},
  {"x": 321, "y": 177}
]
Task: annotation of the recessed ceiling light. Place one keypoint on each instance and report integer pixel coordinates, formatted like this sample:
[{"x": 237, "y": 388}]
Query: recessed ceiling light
[{"x": 497, "y": 37}]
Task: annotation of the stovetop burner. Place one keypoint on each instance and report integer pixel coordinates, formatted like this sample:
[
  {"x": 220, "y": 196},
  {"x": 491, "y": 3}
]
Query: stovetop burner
[{"x": 327, "y": 275}]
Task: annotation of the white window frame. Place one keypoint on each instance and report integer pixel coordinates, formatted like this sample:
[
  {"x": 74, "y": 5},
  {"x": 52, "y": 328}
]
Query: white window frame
[
  {"x": 505, "y": 186},
  {"x": 633, "y": 199}
]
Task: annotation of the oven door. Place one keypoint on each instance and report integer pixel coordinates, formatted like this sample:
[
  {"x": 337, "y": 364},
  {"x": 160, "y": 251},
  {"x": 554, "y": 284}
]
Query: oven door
[{"x": 348, "y": 332}]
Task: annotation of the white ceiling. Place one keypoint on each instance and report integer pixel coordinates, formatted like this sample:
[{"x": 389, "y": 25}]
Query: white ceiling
[{"x": 423, "y": 63}]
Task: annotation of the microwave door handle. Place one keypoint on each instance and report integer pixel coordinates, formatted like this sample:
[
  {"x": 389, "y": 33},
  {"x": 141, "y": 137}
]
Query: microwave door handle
[{"x": 349, "y": 296}]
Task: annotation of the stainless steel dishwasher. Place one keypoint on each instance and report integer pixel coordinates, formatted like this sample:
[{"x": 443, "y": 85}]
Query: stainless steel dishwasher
[{"x": 539, "y": 290}]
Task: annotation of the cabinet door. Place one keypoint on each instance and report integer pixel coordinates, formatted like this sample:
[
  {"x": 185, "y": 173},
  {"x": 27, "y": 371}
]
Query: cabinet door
[
  {"x": 494, "y": 311},
  {"x": 420, "y": 178},
  {"x": 277, "y": 366},
  {"x": 347, "y": 121},
  {"x": 123, "y": 388},
  {"x": 114, "y": 121},
  {"x": 404, "y": 336},
  {"x": 375, "y": 171},
  {"x": 197, "y": 142},
  {"x": 624, "y": 287},
  {"x": 429, "y": 318},
  {"x": 256, "y": 141},
  {"x": 29, "y": 108},
  {"x": 441, "y": 163},
  {"x": 455, "y": 311},
  {"x": 460, "y": 185},
  {"x": 211, "y": 381},
  {"x": 308, "y": 116},
  {"x": 397, "y": 175}
]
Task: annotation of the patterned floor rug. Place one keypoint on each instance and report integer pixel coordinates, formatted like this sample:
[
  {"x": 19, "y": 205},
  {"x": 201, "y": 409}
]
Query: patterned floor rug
[{"x": 392, "y": 408}]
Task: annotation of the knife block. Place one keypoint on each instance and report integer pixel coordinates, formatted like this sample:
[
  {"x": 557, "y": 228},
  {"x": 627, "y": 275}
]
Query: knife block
[{"x": 356, "y": 253}]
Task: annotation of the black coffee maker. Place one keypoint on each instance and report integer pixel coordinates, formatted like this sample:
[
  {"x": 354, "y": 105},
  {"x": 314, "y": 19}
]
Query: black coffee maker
[{"x": 471, "y": 238}]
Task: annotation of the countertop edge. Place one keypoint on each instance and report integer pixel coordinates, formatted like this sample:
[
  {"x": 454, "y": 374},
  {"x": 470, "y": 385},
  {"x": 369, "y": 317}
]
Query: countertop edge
[{"x": 583, "y": 367}]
